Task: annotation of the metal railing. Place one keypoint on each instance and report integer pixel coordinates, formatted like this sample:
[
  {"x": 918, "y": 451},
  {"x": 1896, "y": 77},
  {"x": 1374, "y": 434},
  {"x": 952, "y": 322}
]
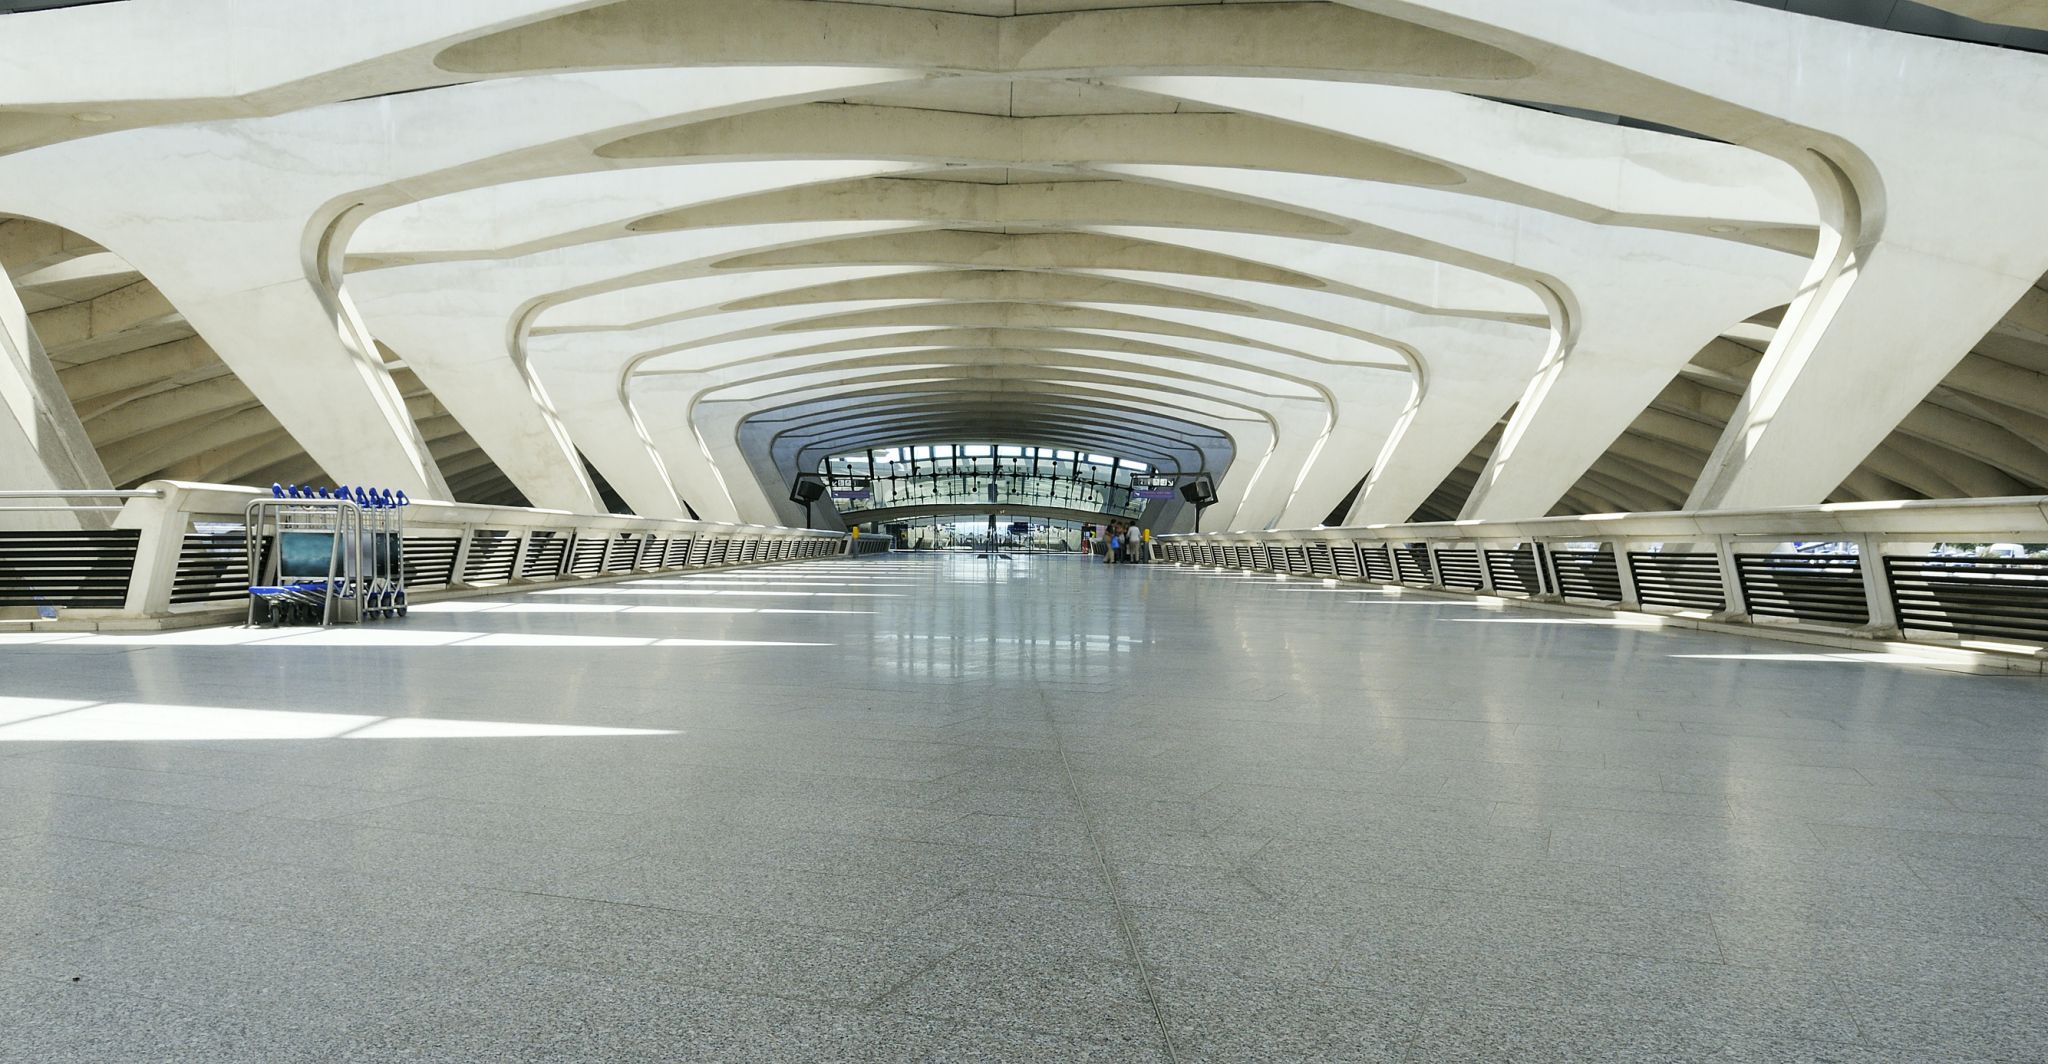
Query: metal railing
[
  {"x": 1877, "y": 570},
  {"x": 175, "y": 549},
  {"x": 101, "y": 500},
  {"x": 870, "y": 543}
]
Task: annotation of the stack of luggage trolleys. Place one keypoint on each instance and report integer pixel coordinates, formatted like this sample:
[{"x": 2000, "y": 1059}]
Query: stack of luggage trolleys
[{"x": 334, "y": 557}]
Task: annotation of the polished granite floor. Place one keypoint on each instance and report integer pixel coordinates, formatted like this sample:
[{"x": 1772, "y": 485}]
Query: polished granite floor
[{"x": 923, "y": 809}]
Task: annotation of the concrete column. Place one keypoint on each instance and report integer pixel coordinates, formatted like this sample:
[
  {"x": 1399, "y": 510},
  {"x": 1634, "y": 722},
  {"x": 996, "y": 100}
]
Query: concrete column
[
  {"x": 1297, "y": 435},
  {"x": 590, "y": 401},
  {"x": 1446, "y": 417},
  {"x": 42, "y": 442}
]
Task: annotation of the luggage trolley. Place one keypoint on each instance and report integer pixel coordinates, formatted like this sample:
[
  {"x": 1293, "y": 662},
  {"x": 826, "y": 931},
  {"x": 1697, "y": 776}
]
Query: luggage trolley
[
  {"x": 312, "y": 574},
  {"x": 384, "y": 524},
  {"x": 339, "y": 556}
]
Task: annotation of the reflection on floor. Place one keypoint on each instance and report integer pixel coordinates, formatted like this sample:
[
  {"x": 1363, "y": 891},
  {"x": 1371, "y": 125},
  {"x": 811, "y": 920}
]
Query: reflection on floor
[{"x": 956, "y": 809}]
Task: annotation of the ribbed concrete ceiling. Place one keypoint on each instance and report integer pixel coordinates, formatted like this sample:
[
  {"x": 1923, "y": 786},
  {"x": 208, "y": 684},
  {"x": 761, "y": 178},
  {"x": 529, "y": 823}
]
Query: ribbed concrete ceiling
[{"x": 1175, "y": 230}]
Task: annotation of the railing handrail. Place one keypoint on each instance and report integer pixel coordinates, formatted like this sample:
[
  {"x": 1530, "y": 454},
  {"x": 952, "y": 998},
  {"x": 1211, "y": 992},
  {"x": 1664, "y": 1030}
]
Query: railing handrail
[
  {"x": 2015, "y": 516},
  {"x": 90, "y": 493},
  {"x": 152, "y": 540},
  {"x": 103, "y": 500},
  {"x": 1888, "y": 578},
  {"x": 228, "y": 501}
]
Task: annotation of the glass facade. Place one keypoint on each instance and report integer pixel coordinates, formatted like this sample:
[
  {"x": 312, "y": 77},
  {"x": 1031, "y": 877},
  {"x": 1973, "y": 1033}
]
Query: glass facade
[
  {"x": 1010, "y": 533},
  {"x": 983, "y": 474}
]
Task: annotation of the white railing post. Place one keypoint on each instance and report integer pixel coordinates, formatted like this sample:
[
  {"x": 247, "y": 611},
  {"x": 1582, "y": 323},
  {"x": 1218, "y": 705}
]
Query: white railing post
[
  {"x": 1735, "y": 602},
  {"x": 519, "y": 555},
  {"x": 1432, "y": 571},
  {"x": 1625, "y": 572},
  {"x": 458, "y": 573},
  {"x": 1547, "y": 587},
  {"x": 1877, "y": 589},
  {"x": 161, "y": 522}
]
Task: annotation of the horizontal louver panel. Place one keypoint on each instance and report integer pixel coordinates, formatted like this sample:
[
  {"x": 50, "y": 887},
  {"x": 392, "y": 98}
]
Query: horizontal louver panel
[
  {"x": 1820, "y": 588},
  {"x": 83, "y": 569}
]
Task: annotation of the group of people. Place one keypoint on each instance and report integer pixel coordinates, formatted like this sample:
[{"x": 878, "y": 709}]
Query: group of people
[{"x": 1121, "y": 542}]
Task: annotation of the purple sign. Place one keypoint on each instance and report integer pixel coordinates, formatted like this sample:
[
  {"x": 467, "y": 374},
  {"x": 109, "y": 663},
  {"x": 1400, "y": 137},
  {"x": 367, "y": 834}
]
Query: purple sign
[
  {"x": 852, "y": 493},
  {"x": 1153, "y": 493}
]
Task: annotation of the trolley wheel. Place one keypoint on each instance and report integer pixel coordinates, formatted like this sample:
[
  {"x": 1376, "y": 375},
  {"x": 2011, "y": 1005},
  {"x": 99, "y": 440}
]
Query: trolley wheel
[{"x": 401, "y": 611}]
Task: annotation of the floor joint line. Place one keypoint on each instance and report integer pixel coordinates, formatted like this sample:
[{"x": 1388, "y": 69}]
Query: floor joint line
[{"x": 1123, "y": 919}]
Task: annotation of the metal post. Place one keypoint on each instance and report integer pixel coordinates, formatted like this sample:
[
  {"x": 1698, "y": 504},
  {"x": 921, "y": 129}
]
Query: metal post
[{"x": 1630, "y": 598}]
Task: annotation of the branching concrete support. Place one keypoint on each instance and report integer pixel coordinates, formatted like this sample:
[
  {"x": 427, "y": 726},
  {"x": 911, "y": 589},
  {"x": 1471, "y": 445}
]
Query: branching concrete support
[
  {"x": 42, "y": 442},
  {"x": 1924, "y": 157}
]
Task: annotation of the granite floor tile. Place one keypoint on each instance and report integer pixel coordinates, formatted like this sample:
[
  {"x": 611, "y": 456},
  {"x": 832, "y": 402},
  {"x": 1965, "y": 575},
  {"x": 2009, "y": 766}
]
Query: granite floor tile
[
  {"x": 1219, "y": 1021},
  {"x": 534, "y": 1015},
  {"x": 1881, "y": 953},
  {"x": 745, "y": 956},
  {"x": 275, "y": 975},
  {"x": 1178, "y": 886},
  {"x": 1017, "y": 924},
  {"x": 58, "y": 1022},
  {"x": 1956, "y": 1020},
  {"x": 1037, "y": 813},
  {"x": 1055, "y": 835},
  {"x": 358, "y": 906},
  {"x": 1290, "y": 946},
  {"x": 544, "y": 825},
  {"x": 759, "y": 892},
  {"x": 58, "y": 866},
  {"x": 1324, "y": 873},
  {"x": 1076, "y": 994},
  {"x": 510, "y": 864},
  {"x": 42, "y": 916},
  {"x": 945, "y": 865},
  {"x": 111, "y": 820},
  {"x": 996, "y": 1045}
]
